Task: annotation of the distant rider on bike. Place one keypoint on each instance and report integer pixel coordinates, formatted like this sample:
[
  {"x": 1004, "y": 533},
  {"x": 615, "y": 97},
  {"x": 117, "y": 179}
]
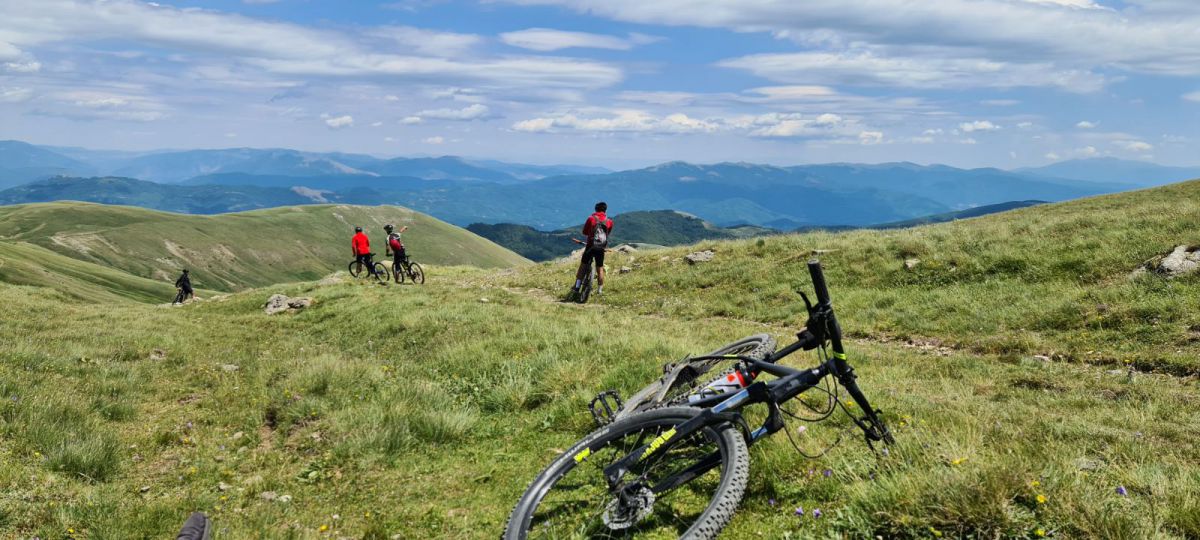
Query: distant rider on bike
[
  {"x": 184, "y": 284},
  {"x": 395, "y": 247},
  {"x": 597, "y": 228},
  {"x": 362, "y": 250}
]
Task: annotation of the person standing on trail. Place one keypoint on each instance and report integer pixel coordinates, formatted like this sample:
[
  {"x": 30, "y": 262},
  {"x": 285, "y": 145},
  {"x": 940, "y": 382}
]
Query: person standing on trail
[
  {"x": 596, "y": 229},
  {"x": 362, "y": 249},
  {"x": 184, "y": 284},
  {"x": 395, "y": 247}
]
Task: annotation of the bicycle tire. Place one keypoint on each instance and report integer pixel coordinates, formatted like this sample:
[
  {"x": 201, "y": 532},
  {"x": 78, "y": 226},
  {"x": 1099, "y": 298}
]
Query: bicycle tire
[
  {"x": 355, "y": 268},
  {"x": 416, "y": 273},
  {"x": 691, "y": 374},
  {"x": 381, "y": 273},
  {"x": 734, "y": 471}
]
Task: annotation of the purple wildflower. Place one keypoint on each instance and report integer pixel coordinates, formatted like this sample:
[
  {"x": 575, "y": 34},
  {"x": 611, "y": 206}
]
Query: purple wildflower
[
  {"x": 827, "y": 473},
  {"x": 771, "y": 502},
  {"x": 800, "y": 511},
  {"x": 816, "y": 513},
  {"x": 1121, "y": 491}
]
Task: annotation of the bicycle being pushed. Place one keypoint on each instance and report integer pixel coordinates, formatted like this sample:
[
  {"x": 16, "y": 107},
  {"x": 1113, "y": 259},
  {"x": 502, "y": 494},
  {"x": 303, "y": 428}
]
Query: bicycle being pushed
[{"x": 673, "y": 460}]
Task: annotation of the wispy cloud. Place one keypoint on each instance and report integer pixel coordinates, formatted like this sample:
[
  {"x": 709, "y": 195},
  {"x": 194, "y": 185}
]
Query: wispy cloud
[
  {"x": 546, "y": 39},
  {"x": 471, "y": 112}
]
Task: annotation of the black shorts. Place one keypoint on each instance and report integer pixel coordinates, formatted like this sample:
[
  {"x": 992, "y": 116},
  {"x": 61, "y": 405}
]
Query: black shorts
[{"x": 594, "y": 254}]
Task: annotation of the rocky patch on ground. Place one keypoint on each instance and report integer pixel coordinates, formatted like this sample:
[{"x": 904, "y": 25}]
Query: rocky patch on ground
[
  {"x": 1181, "y": 261},
  {"x": 279, "y": 303},
  {"x": 700, "y": 256}
]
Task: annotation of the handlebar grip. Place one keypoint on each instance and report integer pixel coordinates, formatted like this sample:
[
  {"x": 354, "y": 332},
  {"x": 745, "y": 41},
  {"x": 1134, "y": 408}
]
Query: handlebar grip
[{"x": 818, "y": 279}]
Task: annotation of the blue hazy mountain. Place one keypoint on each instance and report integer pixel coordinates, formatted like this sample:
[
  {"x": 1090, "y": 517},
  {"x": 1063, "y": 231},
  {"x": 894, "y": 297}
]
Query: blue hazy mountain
[
  {"x": 23, "y": 162},
  {"x": 1138, "y": 173},
  {"x": 465, "y": 191}
]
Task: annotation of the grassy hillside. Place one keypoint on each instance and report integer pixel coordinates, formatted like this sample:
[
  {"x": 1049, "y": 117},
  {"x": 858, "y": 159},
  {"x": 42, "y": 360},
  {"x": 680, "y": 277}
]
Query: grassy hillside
[
  {"x": 659, "y": 227},
  {"x": 422, "y": 412},
  {"x": 27, "y": 264},
  {"x": 1051, "y": 280},
  {"x": 234, "y": 251},
  {"x": 427, "y": 422}
]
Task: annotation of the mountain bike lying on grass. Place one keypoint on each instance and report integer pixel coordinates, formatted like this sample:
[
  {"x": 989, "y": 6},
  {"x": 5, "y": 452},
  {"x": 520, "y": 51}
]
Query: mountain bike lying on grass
[
  {"x": 677, "y": 466},
  {"x": 411, "y": 270},
  {"x": 375, "y": 269}
]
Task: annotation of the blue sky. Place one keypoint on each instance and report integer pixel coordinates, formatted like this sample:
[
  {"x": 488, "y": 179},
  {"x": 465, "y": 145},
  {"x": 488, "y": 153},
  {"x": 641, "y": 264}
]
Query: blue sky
[{"x": 620, "y": 83}]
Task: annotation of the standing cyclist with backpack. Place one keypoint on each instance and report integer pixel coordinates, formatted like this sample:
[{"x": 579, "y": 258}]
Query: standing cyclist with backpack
[
  {"x": 597, "y": 228},
  {"x": 395, "y": 247}
]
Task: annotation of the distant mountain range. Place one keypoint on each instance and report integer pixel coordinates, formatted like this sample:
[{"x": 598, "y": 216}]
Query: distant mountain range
[
  {"x": 464, "y": 191},
  {"x": 659, "y": 227}
]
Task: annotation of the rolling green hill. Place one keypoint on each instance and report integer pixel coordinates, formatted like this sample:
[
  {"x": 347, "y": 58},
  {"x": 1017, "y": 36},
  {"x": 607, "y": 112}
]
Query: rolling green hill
[
  {"x": 118, "y": 420},
  {"x": 234, "y": 251},
  {"x": 658, "y": 227},
  {"x": 27, "y": 264},
  {"x": 1051, "y": 279}
]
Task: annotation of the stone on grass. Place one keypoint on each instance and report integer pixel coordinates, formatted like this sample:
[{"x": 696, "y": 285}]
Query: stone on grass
[
  {"x": 700, "y": 256},
  {"x": 1181, "y": 261},
  {"x": 909, "y": 264},
  {"x": 279, "y": 303},
  {"x": 625, "y": 270}
]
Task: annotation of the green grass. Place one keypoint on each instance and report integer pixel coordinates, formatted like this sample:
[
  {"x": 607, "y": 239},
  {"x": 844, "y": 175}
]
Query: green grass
[
  {"x": 235, "y": 251},
  {"x": 423, "y": 411},
  {"x": 1051, "y": 280},
  {"x": 27, "y": 264}
]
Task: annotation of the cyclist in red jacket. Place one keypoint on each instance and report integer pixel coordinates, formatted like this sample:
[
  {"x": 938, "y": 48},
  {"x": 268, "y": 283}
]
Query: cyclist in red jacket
[
  {"x": 362, "y": 249},
  {"x": 596, "y": 229}
]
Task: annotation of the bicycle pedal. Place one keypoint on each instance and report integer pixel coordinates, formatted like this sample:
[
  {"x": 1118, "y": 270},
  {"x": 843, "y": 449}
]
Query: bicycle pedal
[{"x": 604, "y": 407}]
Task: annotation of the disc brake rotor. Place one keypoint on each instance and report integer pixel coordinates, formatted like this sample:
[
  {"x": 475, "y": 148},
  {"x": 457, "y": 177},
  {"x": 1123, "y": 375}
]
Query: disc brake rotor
[{"x": 624, "y": 512}]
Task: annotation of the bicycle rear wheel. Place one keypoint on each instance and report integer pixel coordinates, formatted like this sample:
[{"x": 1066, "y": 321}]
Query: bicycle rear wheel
[
  {"x": 417, "y": 273},
  {"x": 585, "y": 288},
  {"x": 355, "y": 268},
  {"x": 571, "y": 498},
  {"x": 680, "y": 380}
]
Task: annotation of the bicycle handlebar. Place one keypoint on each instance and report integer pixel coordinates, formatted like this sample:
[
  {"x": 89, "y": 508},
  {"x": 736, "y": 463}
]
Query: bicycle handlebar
[{"x": 818, "y": 279}]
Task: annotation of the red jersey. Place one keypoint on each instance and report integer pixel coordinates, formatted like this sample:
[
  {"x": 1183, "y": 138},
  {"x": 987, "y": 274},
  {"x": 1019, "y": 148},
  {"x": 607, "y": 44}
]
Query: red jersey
[
  {"x": 589, "y": 226},
  {"x": 361, "y": 244}
]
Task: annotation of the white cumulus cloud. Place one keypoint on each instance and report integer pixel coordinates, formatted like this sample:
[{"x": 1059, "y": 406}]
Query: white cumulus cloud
[
  {"x": 1084, "y": 124},
  {"x": 338, "y": 122},
  {"x": 978, "y": 125}
]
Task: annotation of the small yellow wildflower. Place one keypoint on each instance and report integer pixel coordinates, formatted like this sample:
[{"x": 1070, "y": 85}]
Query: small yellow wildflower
[
  {"x": 935, "y": 532},
  {"x": 959, "y": 461},
  {"x": 323, "y": 528},
  {"x": 1041, "y": 499},
  {"x": 1040, "y": 532},
  {"x": 1035, "y": 483},
  {"x": 367, "y": 515}
]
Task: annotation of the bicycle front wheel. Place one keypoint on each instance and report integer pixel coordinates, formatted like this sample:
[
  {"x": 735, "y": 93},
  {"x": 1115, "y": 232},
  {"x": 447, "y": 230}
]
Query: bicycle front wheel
[
  {"x": 381, "y": 273},
  {"x": 690, "y": 492},
  {"x": 418, "y": 274}
]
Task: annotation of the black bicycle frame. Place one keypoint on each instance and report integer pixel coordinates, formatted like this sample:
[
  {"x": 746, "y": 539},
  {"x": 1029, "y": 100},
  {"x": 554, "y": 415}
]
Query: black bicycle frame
[{"x": 791, "y": 382}]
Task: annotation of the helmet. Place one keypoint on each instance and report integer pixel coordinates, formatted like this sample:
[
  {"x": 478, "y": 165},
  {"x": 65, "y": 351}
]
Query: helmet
[
  {"x": 358, "y": 229},
  {"x": 388, "y": 227}
]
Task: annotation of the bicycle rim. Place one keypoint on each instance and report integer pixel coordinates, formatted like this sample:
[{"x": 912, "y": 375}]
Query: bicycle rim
[{"x": 571, "y": 498}]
